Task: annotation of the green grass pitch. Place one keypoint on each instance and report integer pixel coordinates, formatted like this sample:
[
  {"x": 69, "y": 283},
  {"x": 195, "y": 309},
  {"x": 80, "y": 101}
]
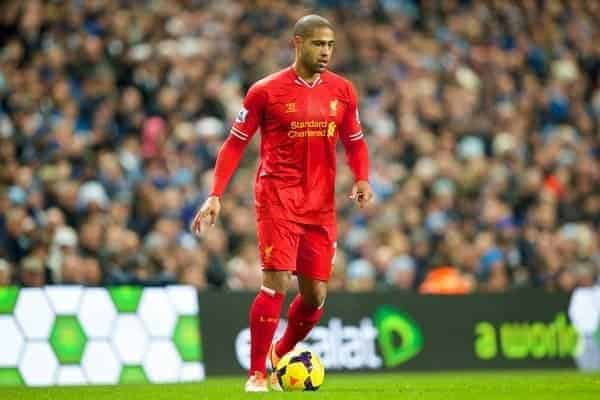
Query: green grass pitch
[{"x": 528, "y": 385}]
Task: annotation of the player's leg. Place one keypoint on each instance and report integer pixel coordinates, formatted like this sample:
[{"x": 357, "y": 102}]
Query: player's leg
[
  {"x": 264, "y": 318},
  {"x": 304, "y": 313},
  {"x": 315, "y": 259},
  {"x": 278, "y": 242}
]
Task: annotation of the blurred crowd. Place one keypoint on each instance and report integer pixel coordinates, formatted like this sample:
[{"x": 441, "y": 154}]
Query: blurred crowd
[{"x": 482, "y": 119}]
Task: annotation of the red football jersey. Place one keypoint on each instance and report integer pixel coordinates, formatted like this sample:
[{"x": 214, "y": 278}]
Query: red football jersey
[{"x": 300, "y": 123}]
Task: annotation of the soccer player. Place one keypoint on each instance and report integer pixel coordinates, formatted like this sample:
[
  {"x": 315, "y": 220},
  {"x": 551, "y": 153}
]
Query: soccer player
[{"x": 301, "y": 112}]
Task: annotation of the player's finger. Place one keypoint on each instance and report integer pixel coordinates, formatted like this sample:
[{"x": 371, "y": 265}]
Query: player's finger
[
  {"x": 194, "y": 225},
  {"x": 212, "y": 218},
  {"x": 197, "y": 224},
  {"x": 354, "y": 193},
  {"x": 361, "y": 200},
  {"x": 364, "y": 198}
]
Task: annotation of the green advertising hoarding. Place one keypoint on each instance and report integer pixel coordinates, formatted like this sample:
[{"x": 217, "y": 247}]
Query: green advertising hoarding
[
  {"x": 398, "y": 331},
  {"x": 71, "y": 335}
]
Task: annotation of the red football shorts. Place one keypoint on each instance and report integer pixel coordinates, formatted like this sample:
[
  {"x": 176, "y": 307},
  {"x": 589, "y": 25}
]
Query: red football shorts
[{"x": 306, "y": 250}]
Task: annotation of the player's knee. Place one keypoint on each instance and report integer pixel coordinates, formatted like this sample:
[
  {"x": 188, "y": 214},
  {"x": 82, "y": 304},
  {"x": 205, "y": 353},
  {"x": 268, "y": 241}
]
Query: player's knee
[
  {"x": 277, "y": 280},
  {"x": 315, "y": 298}
]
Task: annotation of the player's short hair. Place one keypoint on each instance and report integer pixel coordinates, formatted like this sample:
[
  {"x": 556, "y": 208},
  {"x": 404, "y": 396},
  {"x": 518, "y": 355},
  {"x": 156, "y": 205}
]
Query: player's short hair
[{"x": 309, "y": 23}]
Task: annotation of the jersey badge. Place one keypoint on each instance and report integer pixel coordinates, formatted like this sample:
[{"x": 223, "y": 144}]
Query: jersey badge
[
  {"x": 331, "y": 129},
  {"x": 268, "y": 252},
  {"x": 333, "y": 108}
]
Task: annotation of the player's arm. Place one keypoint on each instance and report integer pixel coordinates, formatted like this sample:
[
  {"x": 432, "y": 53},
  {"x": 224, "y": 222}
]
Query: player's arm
[
  {"x": 230, "y": 154},
  {"x": 357, "y": 154}
]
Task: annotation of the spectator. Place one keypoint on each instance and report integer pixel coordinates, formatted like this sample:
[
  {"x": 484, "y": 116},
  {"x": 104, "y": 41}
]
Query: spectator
[
  {"x": 402, "y": 273},
  {"x": 360, "y": 276},
  {"x": 5, "y": 273},
  {"x": 32, "y": 272}
]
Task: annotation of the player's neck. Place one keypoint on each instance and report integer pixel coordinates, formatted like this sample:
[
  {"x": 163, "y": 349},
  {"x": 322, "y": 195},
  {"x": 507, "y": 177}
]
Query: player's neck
[{"x": 304, "y": 73}]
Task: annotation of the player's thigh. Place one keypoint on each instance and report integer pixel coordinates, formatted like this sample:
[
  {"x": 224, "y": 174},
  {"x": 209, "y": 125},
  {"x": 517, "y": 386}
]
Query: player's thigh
[
  {"x": 316, "y": 252},
  {"x": 278, "y": 242}
]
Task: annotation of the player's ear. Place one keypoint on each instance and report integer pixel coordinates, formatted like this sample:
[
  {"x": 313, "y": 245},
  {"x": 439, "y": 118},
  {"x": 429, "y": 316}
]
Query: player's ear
[{"x": 297, "y": 40}]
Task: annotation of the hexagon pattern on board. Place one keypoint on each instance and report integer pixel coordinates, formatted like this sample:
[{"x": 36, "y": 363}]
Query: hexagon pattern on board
[
  {"x": 187, "y": 338},
  {"x": 126, "y": 298},
  {"x": 64, "y": 299},
  {"x": 67, "y": 339},
  {"x": 69, "y": 375},
  {"x": 162, "y": 363},
  {"x": 38, "y": 364},
  {"x": 183, "y": 299},
  {"x": 38, "y": 327},
  {"x": 8, "y": 299},
  {"x": 100, "y": 363},
  {"x": 191, "y": 372},
  {"x": 130, "y": 338},
  {"x": 10, "y": 377},
  {"x": 157, "y": 312},
  {"x": 133, "y": 374},
  {"x": 99, "y": 336},
  {"x": 96, "y": 313},
  {"x": 11, "y": 341}
]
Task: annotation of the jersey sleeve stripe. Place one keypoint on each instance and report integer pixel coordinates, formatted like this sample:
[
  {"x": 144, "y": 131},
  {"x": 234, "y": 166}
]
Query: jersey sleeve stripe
[
  {"x": 356, "y": 134},
  {"x": 357, "y": 138},
  {"x": 237, "y": 135},
  {"x": 236, "y": 130}
]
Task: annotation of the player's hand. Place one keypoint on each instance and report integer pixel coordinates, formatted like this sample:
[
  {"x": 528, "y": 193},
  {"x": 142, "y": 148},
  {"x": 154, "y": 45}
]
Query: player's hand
[
  {"x": 361, "y": 193},
  {"x": 209, "y": 212}
]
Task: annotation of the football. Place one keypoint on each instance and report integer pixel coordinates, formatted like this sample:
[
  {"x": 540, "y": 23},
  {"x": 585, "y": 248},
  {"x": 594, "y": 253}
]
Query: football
[{"x": 300, "y": 369}]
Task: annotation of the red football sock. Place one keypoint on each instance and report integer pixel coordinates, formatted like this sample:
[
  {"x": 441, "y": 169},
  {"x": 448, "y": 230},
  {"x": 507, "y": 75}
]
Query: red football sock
[
  {"x": 264, "y": 317},
  {"x": 301, "y": 319}
]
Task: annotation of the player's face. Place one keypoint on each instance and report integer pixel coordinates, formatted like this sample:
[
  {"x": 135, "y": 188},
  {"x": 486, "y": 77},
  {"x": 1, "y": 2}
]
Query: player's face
[{"x": 316, "y": 49}]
